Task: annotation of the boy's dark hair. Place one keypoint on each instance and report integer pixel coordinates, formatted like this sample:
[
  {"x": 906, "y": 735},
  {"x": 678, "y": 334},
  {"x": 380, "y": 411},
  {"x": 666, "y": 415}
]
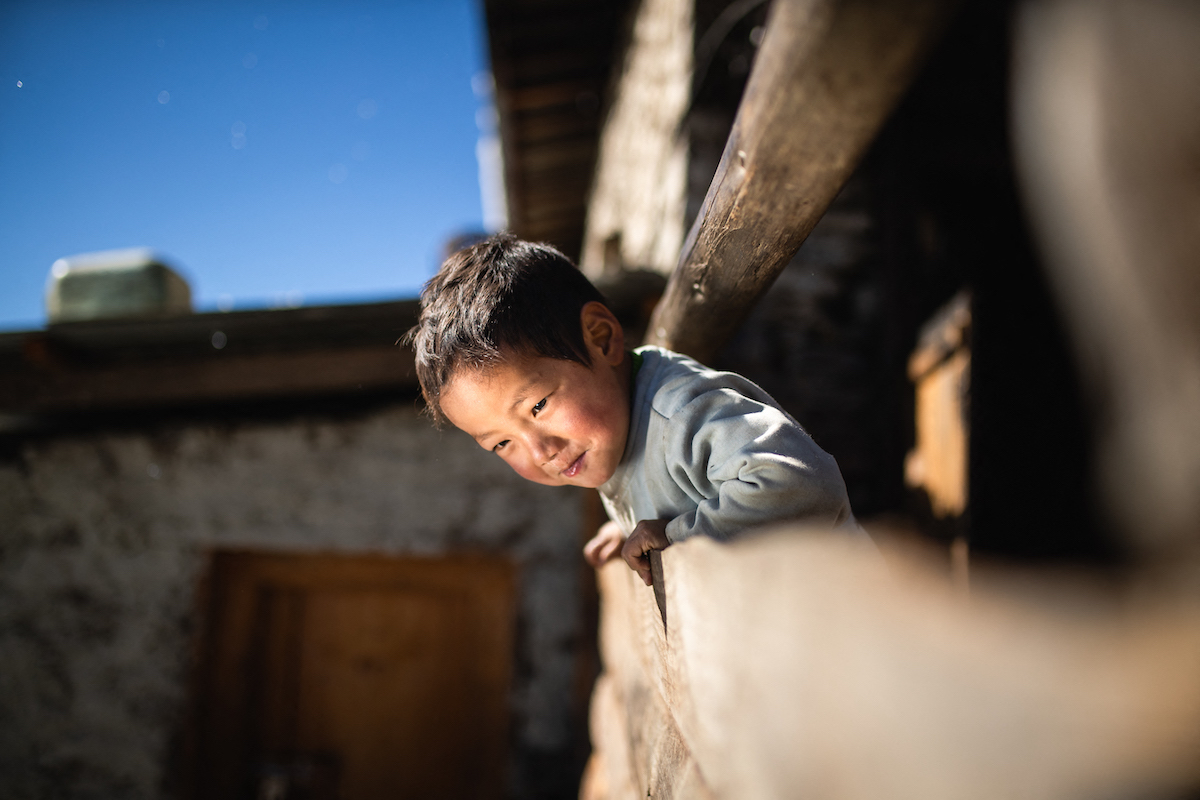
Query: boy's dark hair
[{"x": 501, "y": 296}]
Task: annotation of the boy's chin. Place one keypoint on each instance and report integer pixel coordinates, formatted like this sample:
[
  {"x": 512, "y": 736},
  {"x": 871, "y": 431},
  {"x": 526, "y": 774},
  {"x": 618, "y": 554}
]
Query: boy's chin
[
  {"x": 585, "y": 484},
  {"x": 593, "y": 481},
  {"x": 543, "y": 479},
  {"x": 582, "y": 482}
]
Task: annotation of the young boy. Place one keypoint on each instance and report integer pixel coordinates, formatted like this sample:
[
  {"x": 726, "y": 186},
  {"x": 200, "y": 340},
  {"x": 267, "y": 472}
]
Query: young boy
[{"x": 515, "y": 347}]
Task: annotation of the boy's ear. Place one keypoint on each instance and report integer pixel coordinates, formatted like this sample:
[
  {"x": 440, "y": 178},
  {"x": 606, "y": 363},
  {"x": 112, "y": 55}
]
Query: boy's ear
[{"x": 602, "y": 333}]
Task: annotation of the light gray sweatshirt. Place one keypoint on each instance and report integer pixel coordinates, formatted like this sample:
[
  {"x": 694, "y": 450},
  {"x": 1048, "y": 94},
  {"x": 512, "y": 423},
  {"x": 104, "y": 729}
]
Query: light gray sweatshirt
[{"x": 714, "y": 454}]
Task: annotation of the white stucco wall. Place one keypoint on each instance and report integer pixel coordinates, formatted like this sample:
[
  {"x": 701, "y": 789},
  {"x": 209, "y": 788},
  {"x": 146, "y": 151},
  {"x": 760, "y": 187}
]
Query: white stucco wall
[
  {"x": 640, "y": 188},
  {"x": 103, "y": 539}
]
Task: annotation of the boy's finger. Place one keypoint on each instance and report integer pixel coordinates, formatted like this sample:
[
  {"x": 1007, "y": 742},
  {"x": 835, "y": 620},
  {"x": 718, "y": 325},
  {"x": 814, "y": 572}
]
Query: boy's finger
[
  {"x": 634, "y": 553},
  {"x": 643, "y": 571},
  {"x": 598, "y": 552},
  {"x": 589, "y": 552},
  {"x": 632, "y": 550},
  {"x": 609, "y": 551}
]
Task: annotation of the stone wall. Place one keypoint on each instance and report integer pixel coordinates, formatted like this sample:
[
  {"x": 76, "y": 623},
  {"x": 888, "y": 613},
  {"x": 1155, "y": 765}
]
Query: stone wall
[{"x": 103, "y": 542}]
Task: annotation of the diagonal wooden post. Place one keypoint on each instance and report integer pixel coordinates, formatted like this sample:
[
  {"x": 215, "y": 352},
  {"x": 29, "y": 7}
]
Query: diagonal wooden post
[{"x": 826, "y": 77}]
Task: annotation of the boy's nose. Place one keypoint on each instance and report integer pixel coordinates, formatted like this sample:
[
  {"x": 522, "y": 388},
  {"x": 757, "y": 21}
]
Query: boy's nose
[{"x": 545, "y": 448}]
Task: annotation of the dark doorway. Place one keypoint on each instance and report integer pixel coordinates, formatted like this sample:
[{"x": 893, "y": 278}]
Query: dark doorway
[{"x": 354, "y": 678}]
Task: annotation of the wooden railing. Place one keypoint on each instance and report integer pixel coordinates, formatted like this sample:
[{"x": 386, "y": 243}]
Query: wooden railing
[
  {"x": 797, "y": 665},
  {"x": 826, "y": 77},
  {"x": 791, "y": 664}
]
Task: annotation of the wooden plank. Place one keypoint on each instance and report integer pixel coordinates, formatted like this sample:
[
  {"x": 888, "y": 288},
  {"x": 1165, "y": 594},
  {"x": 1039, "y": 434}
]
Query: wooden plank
[
  {"x": 191, "y": 381},
  {"x": 947, "y": 331},
  {"x": 635, "y": 731},
  {"x": 548, "y": 95},
  {"x": 938, "y": 461},
  {"x": 940, "y": 369},
  {"x": 546, "y": 82},
  {"x": 374, "y": 676},
  {"x": 826, "y": 77},
  {"x": 799, "y": 664},
  {"x": 207, "y": 357},
  {"x": 536, "y": 129},
  {"x": 556, "y": 155}
]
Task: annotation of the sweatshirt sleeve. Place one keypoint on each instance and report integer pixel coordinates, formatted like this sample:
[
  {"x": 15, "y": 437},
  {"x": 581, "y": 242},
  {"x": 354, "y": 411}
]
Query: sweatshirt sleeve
[{"x": 747, "y": 463}]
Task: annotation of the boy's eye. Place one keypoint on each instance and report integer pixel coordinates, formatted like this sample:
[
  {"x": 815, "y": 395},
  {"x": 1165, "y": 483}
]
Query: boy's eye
[
  {"x": 499, "y": 446},
  {"x": 540, "y": 405}
]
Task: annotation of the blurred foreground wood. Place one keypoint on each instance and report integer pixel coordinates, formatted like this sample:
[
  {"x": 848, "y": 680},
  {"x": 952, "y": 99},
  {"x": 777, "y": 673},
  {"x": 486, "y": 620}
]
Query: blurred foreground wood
[{"x": 798, "y": 665}]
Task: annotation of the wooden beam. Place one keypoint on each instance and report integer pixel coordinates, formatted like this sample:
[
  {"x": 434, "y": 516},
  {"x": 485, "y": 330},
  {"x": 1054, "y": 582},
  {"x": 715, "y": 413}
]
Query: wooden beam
[
  {"x": 205, "y": 358},
  {"x": 197, "y": 381},
  {"x": 800, "y": 664},
  {"x": 826, "y": 77},
  {"x": 551, "y": 61}
]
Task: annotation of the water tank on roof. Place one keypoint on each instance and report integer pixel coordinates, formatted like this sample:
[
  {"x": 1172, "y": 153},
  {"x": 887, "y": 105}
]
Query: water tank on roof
[{"x": 115, "y": 284}]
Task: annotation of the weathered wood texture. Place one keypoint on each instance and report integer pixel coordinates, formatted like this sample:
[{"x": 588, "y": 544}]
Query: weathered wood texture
[
  {"x": 124, "y": 364},
  {"x": 376, "y": 676},
  {"x": 208, "y": 380},
  {"x": 797, "y": 665},
  {"x": 826, "y": 77},
  {"x": 551, "y": 60},
  {"x": 940, "y": 369}
]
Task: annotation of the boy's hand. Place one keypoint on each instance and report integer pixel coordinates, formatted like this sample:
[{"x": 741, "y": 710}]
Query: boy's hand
[
  {"x": 650, "y": 534},
  {"x": 605, "y": 545}
]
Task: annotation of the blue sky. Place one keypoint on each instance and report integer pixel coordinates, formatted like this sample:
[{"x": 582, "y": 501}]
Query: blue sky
[{"x": 273, "y": 152}]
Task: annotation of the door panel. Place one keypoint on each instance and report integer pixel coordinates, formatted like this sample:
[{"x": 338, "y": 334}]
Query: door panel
[{"x": 355, "y": 677}]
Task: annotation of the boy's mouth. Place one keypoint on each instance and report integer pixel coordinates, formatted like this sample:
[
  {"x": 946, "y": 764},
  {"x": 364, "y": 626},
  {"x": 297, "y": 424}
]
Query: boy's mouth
[{"x": 576, "y": 466}]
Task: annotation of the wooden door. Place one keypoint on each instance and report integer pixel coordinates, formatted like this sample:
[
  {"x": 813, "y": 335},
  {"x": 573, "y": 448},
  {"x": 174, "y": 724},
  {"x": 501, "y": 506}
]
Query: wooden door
[{"x": 358, "y": 678}]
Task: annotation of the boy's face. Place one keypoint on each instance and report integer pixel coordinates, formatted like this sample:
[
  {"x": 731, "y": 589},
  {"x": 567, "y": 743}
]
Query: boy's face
[{"x": 554, "y": 422}]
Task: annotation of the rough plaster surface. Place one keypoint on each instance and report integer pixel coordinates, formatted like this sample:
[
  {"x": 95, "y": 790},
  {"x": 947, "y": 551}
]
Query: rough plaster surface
[
  {"x": 640, "y": 188},
  {"x": 103, "y": 538}
]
